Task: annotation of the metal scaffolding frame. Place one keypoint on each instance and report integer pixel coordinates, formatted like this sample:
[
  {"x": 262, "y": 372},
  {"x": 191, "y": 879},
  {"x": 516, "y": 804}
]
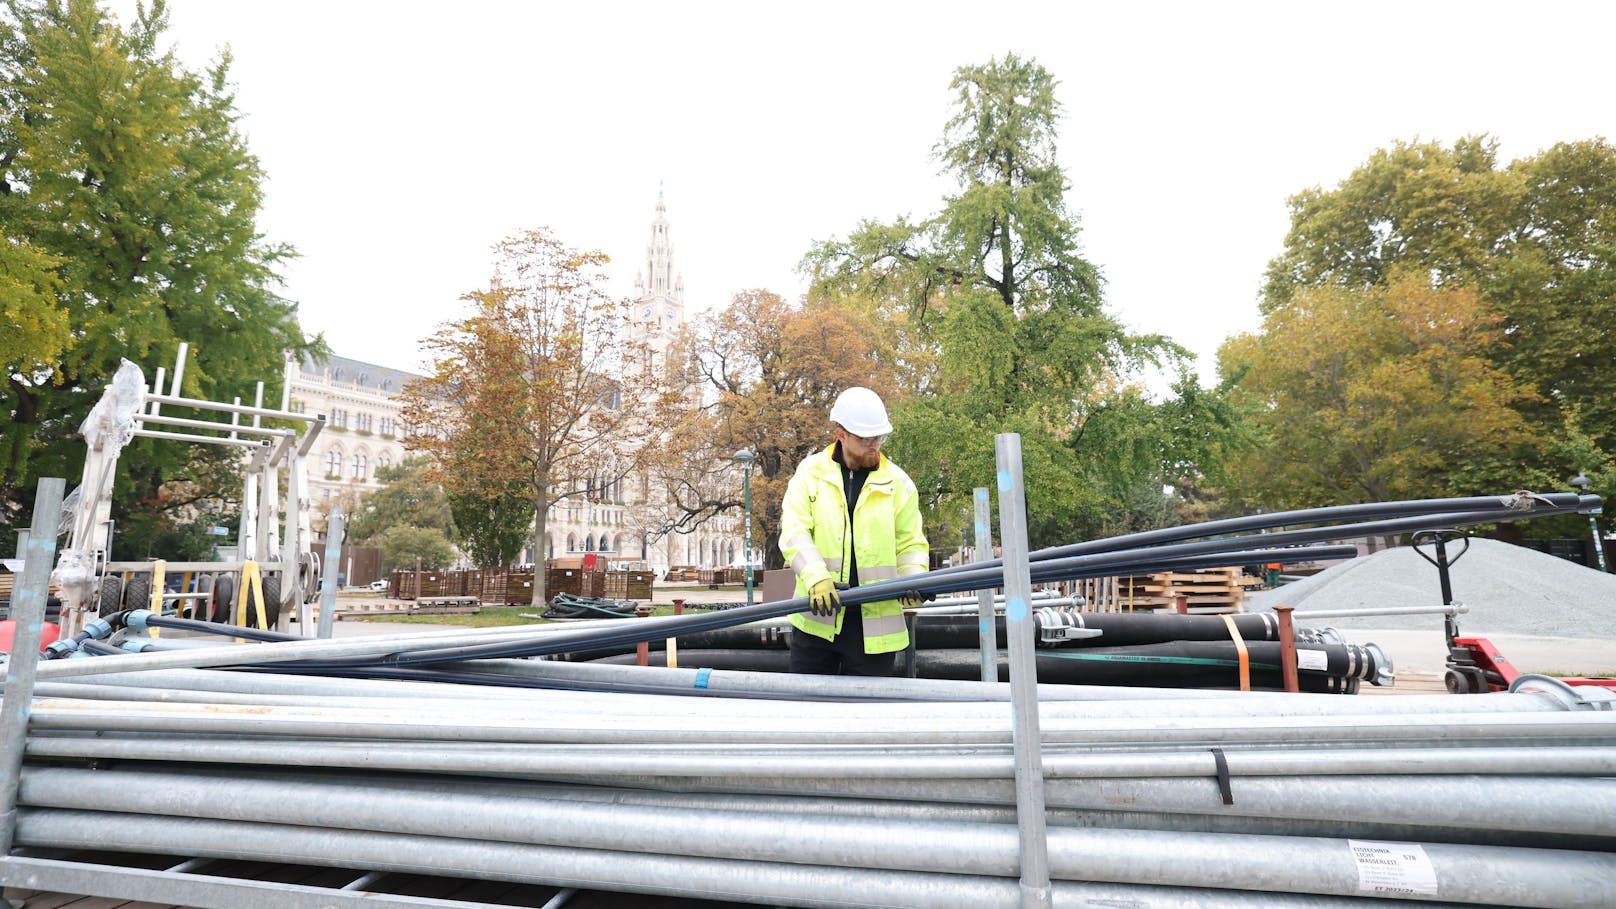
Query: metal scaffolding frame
[{"x": 275, "y": 456}]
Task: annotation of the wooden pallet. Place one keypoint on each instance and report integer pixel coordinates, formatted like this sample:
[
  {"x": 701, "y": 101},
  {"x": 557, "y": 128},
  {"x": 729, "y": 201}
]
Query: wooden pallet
[{"x": 1208, "y": 590}]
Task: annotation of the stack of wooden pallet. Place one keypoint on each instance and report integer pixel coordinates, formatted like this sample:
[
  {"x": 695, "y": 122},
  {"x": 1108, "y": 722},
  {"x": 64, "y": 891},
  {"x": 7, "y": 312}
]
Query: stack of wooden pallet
[
  {"x": 1205, "y": 590},
  {"x": 504, "y": 587},
  {"x": 1123, "y": 593},
  {"x": 628, "y": 585}
]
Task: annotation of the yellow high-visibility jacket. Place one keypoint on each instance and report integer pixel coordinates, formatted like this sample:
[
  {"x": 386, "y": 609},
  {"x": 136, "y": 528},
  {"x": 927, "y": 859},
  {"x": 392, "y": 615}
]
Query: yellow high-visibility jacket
[{"x": 886, "y": 532}]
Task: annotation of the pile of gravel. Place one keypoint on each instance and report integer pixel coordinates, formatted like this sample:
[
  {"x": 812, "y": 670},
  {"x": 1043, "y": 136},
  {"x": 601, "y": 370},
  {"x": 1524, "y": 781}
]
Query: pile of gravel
[{"x": 1508, "y": 589}]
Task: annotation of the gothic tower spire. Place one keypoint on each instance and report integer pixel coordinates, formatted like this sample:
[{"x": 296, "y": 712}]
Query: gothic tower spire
[{"x": 659, "y": 288}]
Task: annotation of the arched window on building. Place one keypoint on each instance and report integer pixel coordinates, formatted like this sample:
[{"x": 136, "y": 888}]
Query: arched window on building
[
  {"x": 731, "y": 560},
  {"x": 589, "y": 543},
  {"x": 572, "y": 542},
  {"x": 549, "y": 545},
  {"x": 360, "y": 465},
  {"x": 385, "y": 459},
  {"x": 333, "y": 463}
]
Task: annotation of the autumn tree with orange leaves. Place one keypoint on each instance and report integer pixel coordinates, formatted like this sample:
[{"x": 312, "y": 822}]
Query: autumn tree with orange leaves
[
  {"x": 538, "y": 393},
  {"x": 768, "y": 372},
  {"x": 1381, "y": 393}
]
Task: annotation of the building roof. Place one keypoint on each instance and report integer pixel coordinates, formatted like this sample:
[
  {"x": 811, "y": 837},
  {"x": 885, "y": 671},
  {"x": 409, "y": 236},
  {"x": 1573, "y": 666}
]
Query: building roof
[{"x": 359, "y": 373}]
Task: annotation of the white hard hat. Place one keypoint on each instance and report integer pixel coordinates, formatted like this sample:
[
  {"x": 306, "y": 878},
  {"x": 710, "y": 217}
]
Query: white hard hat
[{"x": 860, "y": 412}]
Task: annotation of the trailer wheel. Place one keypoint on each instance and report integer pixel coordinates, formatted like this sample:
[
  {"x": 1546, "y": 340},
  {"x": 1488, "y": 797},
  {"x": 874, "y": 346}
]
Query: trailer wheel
[
  {"x": 272, "y": 603},
  {"x": 111, "y": 596},
  {"x": 201, "y": 607},
  {"x": 137, "y": 593},
  {"x": 224, "y": 599}
]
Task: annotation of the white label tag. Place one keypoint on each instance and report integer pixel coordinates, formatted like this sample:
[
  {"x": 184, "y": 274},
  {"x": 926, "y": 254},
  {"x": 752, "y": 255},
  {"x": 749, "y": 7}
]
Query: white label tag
[
  {"x": 1394, "y": 869},
  {"x": 1317, "y": 660}
]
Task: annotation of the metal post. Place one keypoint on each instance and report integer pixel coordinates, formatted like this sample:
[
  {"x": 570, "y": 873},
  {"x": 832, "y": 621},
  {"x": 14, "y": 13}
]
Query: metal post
[
  {"x": 1018, "y": 623},
  {"x": 984, "y": 597},
  {"x": 28, "y": 609},
  {"x": 1599, "y": 546},
  {"x": 672, "y": 644},
  {"x": 328, "y": 581},
  {"x": 291, "y": 587},
  {"x": 1287, "y": 649},
  {"x": 747, "y": 484}
]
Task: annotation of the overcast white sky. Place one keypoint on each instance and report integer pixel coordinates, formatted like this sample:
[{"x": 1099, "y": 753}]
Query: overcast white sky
[{"x": 403, "y": 139}]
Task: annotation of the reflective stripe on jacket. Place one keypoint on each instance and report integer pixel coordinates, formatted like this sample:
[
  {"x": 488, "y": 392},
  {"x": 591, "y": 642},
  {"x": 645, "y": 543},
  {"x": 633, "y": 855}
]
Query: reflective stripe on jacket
[{"x": 886, "y": 529}]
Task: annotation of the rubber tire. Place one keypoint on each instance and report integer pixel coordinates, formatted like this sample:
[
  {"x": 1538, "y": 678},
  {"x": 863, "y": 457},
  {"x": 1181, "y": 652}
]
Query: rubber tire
[
  {"x": 201, "y": 608},
  {"x": 224, "y": 599},
  {"x": 137, "y": 593},
  {"x": 272, "y": 603},
  {"x": 110, "y": 597}
]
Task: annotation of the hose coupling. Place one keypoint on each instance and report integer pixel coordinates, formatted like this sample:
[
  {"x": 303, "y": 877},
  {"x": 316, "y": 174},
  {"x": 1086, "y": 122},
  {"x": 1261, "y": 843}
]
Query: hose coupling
[{"x": 1058, "y": 626}]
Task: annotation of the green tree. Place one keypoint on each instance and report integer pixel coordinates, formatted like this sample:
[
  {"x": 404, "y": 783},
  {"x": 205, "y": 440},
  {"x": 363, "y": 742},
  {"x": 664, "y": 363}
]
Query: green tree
[
  {"x": 402, "y": 544},
  {"x": 1555, "y": 285},
  {"x": 36, "y": 327},
  {"x": 1537, "y": 238},
  {"x": 408, "y": 498},
  {"x": 1380, "y": 394},
  {"x": 1000, "y": 323},
  {"x": 492, "y": 530},
  {"x": 128, "y": 210},
  {"x": 1440, "y": 209}
]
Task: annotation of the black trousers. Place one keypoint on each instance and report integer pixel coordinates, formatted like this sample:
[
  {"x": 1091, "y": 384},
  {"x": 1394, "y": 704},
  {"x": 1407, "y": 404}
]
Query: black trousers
[{"x": 845, "y": 655}]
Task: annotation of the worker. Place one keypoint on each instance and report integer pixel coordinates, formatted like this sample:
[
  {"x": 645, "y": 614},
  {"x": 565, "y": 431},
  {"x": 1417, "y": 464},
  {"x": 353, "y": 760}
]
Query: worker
[{"x": 851, "y": 517}]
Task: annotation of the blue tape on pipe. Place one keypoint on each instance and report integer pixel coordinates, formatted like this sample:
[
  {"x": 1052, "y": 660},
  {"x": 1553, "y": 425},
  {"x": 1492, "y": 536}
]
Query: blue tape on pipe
[
  {"x": 701, "y": 677},
  {"x": 1015, "y": 609},
  {"x": 1004, "y": 481},
  {"x": 983, "y": 626}
]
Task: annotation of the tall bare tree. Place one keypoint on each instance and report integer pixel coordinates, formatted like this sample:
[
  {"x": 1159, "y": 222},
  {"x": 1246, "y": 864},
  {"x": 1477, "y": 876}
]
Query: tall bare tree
[
  {"x": 539, "y": 391},
  {"x": 768, "y": 372}
]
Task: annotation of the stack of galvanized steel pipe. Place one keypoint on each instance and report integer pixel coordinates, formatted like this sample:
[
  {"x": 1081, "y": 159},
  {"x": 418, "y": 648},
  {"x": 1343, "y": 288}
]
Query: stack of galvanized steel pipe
[
  {"x": 822, "y": 791},
  {"x": 826, "y": 791}
]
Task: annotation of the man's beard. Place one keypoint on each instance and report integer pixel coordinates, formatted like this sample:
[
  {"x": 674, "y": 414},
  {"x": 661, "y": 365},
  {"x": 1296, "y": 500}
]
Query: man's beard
[{"x": 861, "y": 460}]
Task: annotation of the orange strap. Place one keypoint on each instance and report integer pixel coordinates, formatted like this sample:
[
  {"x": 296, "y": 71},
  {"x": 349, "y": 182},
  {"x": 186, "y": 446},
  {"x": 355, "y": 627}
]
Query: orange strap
[{"x": 1240, "y": 648}]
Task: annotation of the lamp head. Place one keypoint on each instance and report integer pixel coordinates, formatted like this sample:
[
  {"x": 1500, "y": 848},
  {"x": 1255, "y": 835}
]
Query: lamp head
[
  {"x": 743, "y": 457},
  {"x": 1582, "y": 482}
]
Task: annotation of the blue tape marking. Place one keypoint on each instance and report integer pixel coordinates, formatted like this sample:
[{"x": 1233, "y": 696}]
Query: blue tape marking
[
  {"x": 1015, "y": 609},
  {"x": 1004, "y": 481},
  {"x": 701, "y": 677},
  {"x": 983, "y": 626},
  {"x": 981, "y": 529}
]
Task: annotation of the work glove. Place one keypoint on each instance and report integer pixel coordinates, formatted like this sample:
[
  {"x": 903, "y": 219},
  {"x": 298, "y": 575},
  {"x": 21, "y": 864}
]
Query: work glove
[
  {"x": 823, "y": 600},
  {"x": 913, "y": 600}
]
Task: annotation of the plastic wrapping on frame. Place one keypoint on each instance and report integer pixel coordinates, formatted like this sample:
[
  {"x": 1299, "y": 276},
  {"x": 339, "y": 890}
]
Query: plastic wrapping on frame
[{"x": 111, "y": 423}]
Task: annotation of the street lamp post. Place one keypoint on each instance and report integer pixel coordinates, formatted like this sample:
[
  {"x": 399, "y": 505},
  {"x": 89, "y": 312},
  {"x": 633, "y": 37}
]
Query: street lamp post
[
  {"x": 744, "y": 457},
  {"x": 1582, "y": 482}
]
